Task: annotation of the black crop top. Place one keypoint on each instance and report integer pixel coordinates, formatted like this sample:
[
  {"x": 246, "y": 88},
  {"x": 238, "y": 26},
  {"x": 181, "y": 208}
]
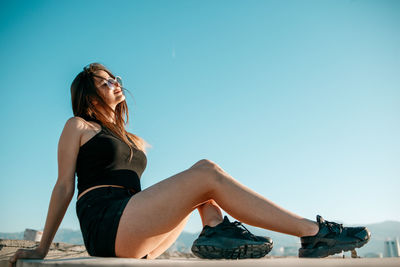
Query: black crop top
[{"x": 104, "y": 159}]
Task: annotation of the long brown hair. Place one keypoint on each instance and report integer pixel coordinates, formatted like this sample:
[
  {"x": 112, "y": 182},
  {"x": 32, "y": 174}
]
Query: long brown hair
[{"x": 84, "y": 92}]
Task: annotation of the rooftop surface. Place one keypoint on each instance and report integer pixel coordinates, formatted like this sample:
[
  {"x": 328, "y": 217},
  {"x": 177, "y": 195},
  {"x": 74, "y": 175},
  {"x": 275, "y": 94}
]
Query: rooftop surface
[
  {"x": 63, "y": 254},
  {"x": 270, "y": 262}
]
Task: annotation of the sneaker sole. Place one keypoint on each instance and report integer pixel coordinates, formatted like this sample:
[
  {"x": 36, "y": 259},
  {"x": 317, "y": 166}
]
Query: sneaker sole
[
  {"x": 322, "y": 252},
  {"x": 241, "y": 252}
]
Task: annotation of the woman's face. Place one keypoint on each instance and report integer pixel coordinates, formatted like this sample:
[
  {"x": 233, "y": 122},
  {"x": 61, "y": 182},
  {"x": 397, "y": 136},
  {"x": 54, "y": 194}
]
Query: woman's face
[{"x": 111, "y": 96}]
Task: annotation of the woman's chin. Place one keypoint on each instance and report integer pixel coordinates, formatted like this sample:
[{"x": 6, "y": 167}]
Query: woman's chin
[{"x": 120, "y": 98}]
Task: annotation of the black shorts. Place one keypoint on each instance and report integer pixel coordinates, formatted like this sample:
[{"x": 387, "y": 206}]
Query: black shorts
[{"x": 99, "y": 212}]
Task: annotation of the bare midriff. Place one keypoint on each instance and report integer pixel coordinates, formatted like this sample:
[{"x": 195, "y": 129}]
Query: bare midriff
[{"x": 103, "y": 185}]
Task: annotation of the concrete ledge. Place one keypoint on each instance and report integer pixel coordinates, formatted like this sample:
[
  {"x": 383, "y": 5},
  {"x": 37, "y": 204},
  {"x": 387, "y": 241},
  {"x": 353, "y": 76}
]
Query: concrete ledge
[{"x": 270, "y": 262}]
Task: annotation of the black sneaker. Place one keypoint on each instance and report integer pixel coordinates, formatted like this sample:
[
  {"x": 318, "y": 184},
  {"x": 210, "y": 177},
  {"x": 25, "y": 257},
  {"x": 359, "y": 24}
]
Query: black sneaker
[
  {"x": 229, "y": 241},
  {"x": 332, "y": 238}
]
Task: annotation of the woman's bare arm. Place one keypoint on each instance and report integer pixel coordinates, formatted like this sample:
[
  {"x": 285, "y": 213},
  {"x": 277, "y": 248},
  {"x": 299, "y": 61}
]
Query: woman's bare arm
[
  {"x": 63, "y": 191},
  {"x": 59, "y": 202}
]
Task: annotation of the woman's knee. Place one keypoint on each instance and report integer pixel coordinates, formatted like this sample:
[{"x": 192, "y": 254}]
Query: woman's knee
[
  {"x": 204, "y": 163},
  {"x": 207, "y": 166},
  {"x": 209, "y": 169}
]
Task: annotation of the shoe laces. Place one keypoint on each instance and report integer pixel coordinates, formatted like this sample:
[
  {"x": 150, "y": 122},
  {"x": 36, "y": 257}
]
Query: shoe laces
[
  {"x": 334, "y": 227},
  {"x": 238, "y": 226}
]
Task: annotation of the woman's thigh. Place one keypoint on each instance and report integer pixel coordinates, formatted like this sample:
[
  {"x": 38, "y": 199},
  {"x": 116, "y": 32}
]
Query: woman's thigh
[
  {"x": 168, "y": 240},
  {"x": 156, "y": 211}
]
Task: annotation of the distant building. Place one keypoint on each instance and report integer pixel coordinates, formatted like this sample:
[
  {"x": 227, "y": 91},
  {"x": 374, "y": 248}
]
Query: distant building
[
  {"x": 32, "y": 235},
  {"x": 289, "y": 251},
  {"x": 391, "y": 248}
]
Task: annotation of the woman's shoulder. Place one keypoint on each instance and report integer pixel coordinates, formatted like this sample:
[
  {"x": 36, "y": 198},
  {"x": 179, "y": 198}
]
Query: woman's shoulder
[
  {"x": 74, "y": 126},
  {"x": 84, "y": 126},
  {"x": 81, "y": 129},
  {"x": 80, "y": 123},
  {"x": 76, "y": 123}
]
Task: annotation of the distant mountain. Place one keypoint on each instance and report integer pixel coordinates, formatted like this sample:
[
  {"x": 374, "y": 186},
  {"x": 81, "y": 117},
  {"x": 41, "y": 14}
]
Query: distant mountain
[
  {"x": 379, "y": 233},
  {"x": 62, "y": 235},
  {"x": 69, "y": 236},
  {"x": 17, "y": 235},
  {"x": 183, "y": 243}
]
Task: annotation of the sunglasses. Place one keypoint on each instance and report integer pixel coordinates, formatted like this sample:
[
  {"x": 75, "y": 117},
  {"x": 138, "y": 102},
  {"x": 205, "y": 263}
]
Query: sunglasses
[{"x": 110, "y": 82}]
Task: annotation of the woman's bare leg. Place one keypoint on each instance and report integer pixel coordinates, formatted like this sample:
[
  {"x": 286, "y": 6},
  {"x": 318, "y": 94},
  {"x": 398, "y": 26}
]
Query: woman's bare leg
[
  {"x": 159, "y": 209},
  {"x": 169, "y": 239},
  {"x": 210, "y": 213}
]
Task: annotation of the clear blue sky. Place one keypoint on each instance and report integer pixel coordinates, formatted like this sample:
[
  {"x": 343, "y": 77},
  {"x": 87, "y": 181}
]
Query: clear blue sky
[{"x": 298, "y": 100}]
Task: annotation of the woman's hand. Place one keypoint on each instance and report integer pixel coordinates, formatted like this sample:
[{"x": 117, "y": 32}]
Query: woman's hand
[{"x": 36, "y": 253}]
